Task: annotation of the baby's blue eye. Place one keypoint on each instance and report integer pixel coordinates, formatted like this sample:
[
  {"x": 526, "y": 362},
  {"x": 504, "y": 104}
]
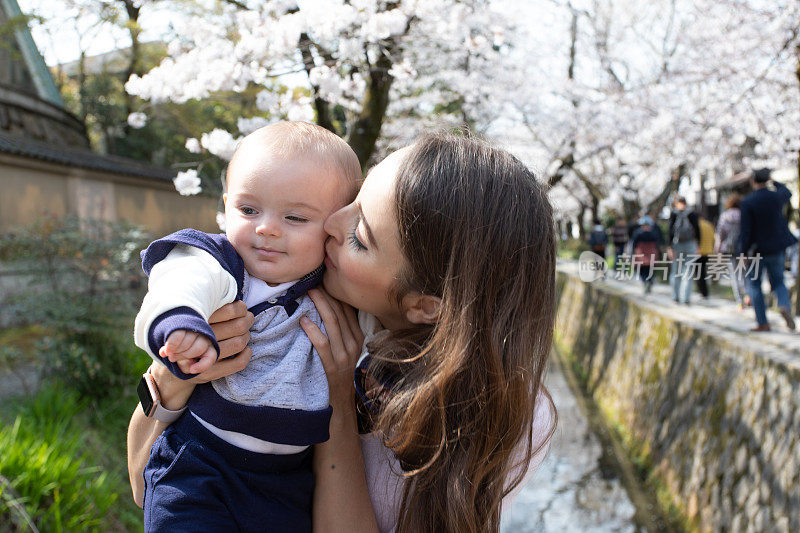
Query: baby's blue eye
[
  {"x": 296, "y": 219},
  {"x": 247, "y": 210}
]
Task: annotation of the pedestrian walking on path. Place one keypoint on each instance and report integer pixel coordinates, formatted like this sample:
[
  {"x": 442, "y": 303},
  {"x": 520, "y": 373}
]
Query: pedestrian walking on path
[
  {"x": 765, "y": 233},
  {"x": 619, "y": 236},
  {"x": 684, "y": 231},
  {"x": 705, "y": 248},
  {"x": 598, "y": 239},
  {"x": 646, "y": 246},
  {"x": 727, "y": 239}
]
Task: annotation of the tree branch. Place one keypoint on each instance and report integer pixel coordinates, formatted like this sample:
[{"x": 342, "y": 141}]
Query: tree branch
[
  {"x": 367, "y": 127},
  {"x": 320, "y": 105},
  {"x": 669, "y": 187},
  {"x": 236, "y": 3}
]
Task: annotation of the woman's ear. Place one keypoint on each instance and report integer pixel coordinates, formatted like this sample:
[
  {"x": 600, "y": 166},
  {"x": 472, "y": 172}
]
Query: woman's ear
[{"x": 421, "y": 308}]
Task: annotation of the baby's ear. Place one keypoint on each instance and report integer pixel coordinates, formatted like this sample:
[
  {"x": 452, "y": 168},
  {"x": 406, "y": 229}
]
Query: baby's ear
[{"x": 421, "y": 308}]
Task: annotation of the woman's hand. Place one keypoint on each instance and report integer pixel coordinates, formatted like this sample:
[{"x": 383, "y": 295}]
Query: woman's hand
[
  {"x": 231, "y": 325},
  {"x": 338, "y": 462},
  {"x": 339, "y": 350}
]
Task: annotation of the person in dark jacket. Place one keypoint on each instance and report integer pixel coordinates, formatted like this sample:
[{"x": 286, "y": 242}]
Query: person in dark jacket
[
  {"x": 764, "y": 232},
  {"x": 619, "y": 236},
  {"x": 598, "y": 239},
  {"x": 684, "y": 231},
  {"x": 646, "y": 246}
]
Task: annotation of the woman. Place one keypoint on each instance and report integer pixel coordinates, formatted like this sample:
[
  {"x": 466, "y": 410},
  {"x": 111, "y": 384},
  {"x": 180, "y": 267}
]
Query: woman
[
  {"x": 726, "y": 240},
  {"x": 449, "y": 253},
  {"x": 646, "y": 243},
  {"x": 705, "y": 248}
]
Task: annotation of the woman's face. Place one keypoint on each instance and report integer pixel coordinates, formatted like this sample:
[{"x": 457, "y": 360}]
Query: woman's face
[{"x": 363, "y": 256}]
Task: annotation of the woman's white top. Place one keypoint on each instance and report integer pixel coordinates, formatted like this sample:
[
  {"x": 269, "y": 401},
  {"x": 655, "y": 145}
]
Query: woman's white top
[{"x": 384, "y": 480}]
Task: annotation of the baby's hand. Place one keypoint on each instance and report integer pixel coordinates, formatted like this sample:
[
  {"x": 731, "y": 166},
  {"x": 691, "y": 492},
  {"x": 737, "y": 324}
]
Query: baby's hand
[{"x": 194, "y": 352}]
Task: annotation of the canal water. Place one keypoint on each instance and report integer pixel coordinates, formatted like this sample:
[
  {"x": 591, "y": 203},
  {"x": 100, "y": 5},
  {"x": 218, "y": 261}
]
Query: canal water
[{"x": 574, "y": 489}]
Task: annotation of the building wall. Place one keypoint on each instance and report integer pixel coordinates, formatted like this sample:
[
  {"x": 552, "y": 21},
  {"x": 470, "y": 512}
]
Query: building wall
[
  {"x": 30, "y": 189},
  {"x": 165, "y": 211},
  {"x": 25, "y": 194}
]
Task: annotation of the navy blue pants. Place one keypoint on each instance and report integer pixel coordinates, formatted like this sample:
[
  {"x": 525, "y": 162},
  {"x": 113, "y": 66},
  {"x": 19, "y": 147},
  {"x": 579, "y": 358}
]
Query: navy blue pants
[{"x": 195, "y": 481}]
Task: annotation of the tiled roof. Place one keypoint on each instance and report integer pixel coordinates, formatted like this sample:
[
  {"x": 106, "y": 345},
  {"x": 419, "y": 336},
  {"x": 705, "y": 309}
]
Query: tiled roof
[{"x": 75, "y": 157}]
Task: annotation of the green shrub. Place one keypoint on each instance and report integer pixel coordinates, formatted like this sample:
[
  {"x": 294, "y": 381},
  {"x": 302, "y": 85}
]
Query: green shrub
[
  {"x": 571, "y": 248},
  {"x": 47, "y": 470},
  {"x": 11, "y": 360},
  {"x": 94, "y": 365},
  {"x": 84, "y": 286}
]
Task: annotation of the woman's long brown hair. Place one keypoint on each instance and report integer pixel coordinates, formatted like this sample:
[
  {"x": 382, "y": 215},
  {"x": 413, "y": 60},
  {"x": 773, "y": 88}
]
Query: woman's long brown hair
[{"x": 477, "y": 230}]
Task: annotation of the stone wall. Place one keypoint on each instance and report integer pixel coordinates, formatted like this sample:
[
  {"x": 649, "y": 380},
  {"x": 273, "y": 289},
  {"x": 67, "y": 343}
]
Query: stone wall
[
  {"x": 30, "y": 189},
  {"x": 714, "y": 414}
]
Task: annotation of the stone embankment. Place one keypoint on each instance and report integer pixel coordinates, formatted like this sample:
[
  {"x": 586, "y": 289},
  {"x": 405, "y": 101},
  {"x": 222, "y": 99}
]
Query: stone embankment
[{"x": 713, "y": 413}]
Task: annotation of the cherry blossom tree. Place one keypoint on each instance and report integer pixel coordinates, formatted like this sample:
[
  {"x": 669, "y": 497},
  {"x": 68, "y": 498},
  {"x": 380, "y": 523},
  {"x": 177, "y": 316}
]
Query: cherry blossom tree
[
  {"x": 644, "y": 93},
  {"x": 352, "y": 66},
  {"x": 615, "y": 101}
]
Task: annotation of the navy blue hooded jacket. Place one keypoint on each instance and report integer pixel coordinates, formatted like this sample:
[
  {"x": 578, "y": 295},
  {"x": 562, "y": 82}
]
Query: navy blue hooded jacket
[{"x": 764, "y": 228}]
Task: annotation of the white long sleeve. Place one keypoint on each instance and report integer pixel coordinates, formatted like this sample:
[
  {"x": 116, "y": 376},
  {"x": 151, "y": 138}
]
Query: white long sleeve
[{"x": 186, "y": 277}]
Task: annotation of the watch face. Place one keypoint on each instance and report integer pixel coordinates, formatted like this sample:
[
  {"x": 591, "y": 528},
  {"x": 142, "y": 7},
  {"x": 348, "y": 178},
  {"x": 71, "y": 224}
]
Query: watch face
[{"x": 144, "y": 397}]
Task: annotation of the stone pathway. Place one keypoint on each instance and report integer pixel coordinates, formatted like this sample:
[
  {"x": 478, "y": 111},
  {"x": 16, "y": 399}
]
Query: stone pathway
[
  {"x": 716, "y": 314},
  {"x": 572, "y": 490}
]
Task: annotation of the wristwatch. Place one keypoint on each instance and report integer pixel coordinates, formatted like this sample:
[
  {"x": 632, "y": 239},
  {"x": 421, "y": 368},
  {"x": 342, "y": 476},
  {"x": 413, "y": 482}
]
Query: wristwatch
[{"x": 151, "y": 400}]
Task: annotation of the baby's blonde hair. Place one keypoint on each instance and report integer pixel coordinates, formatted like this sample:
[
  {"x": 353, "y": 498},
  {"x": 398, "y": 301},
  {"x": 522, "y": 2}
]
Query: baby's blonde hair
[{"x": 303, "y": 139}]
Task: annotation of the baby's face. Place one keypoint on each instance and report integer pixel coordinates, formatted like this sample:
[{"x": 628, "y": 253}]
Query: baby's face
[{"x": 274, "y": 210}]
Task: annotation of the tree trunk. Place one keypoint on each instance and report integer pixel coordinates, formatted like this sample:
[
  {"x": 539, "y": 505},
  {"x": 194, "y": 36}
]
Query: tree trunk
[
  {"x": 568, "y": 160},
  {"x": 670, "y": 187},
  {"x": 797, "y": 276},
  {"x": 796, "y": 289},
  {"x": 367, "y": 128},
  {"x": 82, "y": 97},
  {"x": 630, "y": 208},
  {"x": 135, "y": 61},
  {"x": 581, "y": 228},
  {"x": 702, "y": 203}
]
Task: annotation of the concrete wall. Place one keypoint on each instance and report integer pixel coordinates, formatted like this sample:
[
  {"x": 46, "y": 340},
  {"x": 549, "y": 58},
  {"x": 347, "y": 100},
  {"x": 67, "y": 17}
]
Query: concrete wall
[
  {"x": 715, "y": 415},
  {"x": 30, "y": 189},
  {"x": 24, "y": 193}
]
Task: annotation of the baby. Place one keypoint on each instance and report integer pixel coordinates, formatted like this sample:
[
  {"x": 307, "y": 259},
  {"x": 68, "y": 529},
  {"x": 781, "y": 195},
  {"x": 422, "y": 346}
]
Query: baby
[{"x": 241, "y": 456}]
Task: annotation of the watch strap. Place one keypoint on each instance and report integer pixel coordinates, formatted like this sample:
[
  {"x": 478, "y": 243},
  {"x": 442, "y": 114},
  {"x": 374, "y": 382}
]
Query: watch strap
[
  {"x": 150, "y": 398},
  {"x": 163, "y": 414}
]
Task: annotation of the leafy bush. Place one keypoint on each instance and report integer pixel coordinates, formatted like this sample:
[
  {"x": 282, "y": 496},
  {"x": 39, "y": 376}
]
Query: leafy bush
[
  {"x": 571, "y": 248},
  {"x": 85, "y": 284},
  {"x": 44, "y": 470},
  {"x": 11, "y": 358},
  {"x": 94, "y": 365}
]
